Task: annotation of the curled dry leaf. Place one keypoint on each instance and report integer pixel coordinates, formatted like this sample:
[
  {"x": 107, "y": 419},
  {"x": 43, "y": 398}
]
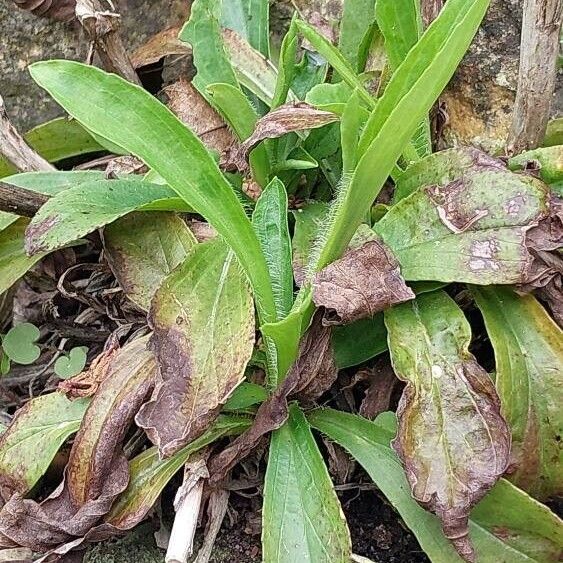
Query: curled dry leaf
[
  {"x": 288, "y": 118},
  {"x": 194, "y": 110},
  {"x": 203, "y": 321},
  {"x": 545, "y": 274},
  {"x": 161, "y": 45},
  {"x": 310, "y": 376},
  {"x": 452, "y": 439},
  {"x": 62, "y": 10},
  {"x": 365, "y": 281},
  {"x": 97, "y": 469}
]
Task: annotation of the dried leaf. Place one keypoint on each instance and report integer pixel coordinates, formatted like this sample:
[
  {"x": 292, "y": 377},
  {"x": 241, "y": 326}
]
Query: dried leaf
[
  {"x": 452, "y": 439},
  {"x": 545, "y": 274},
  {"x": 142, "y": 249},
  {"x": 203, "y": 320},
  {"x": 97, "y": 470},
  {"x": 365, "y": 281},
  {"x": 288, "y": 118},
  {"x": 193, "y": 110},
  {"x": 161, "y": 45},
  {"x": 62, "y": 10},
  {"x": 382, "y": 383},
  {"x": 33, "y": 438},
  {"x": 310, "y": 376}
]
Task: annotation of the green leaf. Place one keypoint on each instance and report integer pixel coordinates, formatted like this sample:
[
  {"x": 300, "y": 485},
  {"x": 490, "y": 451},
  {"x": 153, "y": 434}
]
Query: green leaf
[
  {"x": 143, "y": 248},
  {"x": 287, "y": 66},
  {"x": 507, "y": 526},
  {"x": 14, "y": 262},
  {"x": 353, "y": 118},
  {"x": 407, "y": 99},
  {"x": 529, "y": 369},
  {"x": 56, "y": 140},
  {"x": 148, "y": 474},
  {"x": 549, "y": 160},
  {"x": 132, "y": 118},
  {"x": 78, "y": 211},
  {"x": 203, "y": 322},
  {"x": 359, "y": 342},
  {"x": 71, "y": 365},
  {"x": 34, "y": 437},
  {"x": 52, "y": 183},
  {"x": 246, "y": 395},
  {"x": 472, "y": 229},
  {"x": 19, "y": 343},
  {"x": 452, "y": 438},
  {"x": 400, "y": 23},
  {"x": 302, "y": 517},
  {"x": 270, "y": 223},
  {"x": 554, "y": 133},
  {"x": 203, "y": 32},
  {"x": 250, "y": 19},
  {"x": 356, "y": 31}
]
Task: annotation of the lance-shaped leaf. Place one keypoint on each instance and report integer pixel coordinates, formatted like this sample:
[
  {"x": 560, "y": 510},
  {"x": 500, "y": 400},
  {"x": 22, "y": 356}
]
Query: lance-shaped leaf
[
  {"x": 132, "y": 118},
  {"x": 285, "y": 119},
  {"x": 56, "y": 140},
  {"x": 507, "y": 525},
  {"x": 529, "y": 370},
  {"x": 33, "y": 438},
  {"x": 203, "y": 321},
  {"x": 148, "y": 474},
  {"x": 365, "y": 281},
  {"x": 452, "y": 439},
  {"x": 357, "y": 29},
  {"x": 97, "y": 469},
  {"x": 143, "y": 248},
  {"x": 270, "y": 223},
  {"x": 80, "y": 210},
  {"x": 302, "y": 519},
  {"x": 473, "y": 229}
]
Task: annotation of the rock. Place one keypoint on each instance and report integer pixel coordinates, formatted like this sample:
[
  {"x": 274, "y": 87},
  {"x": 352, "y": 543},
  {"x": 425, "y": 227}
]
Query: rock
[{"x": 27, "y": 38}]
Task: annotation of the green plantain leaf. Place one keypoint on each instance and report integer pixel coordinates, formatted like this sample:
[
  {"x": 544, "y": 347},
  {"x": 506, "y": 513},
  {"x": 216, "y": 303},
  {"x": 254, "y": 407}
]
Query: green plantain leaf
[
  {"x": 529, "y": 370},
  {"x": 34, "y": 437},
  {"x": 78, "y": 211},
  {"x": 287, "y": 66},
  {"x": 549, "y": 161},
  {"x": 473, "y": 229},
  {"x": 56, "y": 140},
  {"x": 270, "y": 223},
  {"x": 203, "y": 321},
  {"x": 302, "y": 517},
  {"x": 142, "y": 249},
  {"x": 132, "y": 118},
  {"x": 400, "y": 23},
  {"x": 250, "y": 19},
  {"x": 357, "y": 29},
  {"x": 148, "y": 474},
  {"x": 507, "y": 526},
  {"x": 452, "y": 438},
  {"x": 245, "y": 395}
]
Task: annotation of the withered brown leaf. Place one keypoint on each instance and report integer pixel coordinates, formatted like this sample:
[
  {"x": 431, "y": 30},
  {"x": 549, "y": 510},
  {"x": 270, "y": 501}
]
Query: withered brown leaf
[
  {"x": 452, "y": 439},
  {"x": 97, "y": 470},
  {"x": 194, "y": 110},
  {"x": 61, "y": 10},
  {"x": 311, "y": 375},
  {"x": 365, "y": 281},
  {"x": 288, "y": 118}
]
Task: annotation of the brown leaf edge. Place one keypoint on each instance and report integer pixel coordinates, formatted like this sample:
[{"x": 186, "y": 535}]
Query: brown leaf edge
[{"x": 60, "y": 10}]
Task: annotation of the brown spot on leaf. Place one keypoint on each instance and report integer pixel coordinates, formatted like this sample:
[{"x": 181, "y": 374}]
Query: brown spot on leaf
[
  {"x": 365, "y": 281},
  {"x": 34, "y": 234},
  {"x": 483, "y": 253}
]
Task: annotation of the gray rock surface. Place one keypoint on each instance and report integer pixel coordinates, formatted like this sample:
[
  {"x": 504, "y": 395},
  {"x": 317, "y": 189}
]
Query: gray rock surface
[{"x": 27, "y": 38}]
